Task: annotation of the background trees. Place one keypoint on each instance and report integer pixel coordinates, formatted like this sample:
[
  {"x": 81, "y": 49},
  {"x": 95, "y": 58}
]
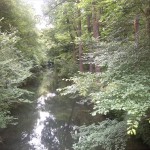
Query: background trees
[
  {"x": 20, "y": 51},
  {"x": 14, "y": 69},
  {"x": 17, "y": 14},
  {"x": 108, "y": 36},
  {"x": 115, "y": 36}
]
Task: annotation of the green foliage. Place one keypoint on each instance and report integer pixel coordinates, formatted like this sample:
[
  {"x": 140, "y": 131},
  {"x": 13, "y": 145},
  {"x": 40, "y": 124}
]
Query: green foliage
[
  {"x": 59, "y": 50},
  {"x": 66, "y": 60},
  {"x": 84, "y": 83},
  {"x": 109, "y": 134},
  {"x": 123, "y": 84},
  {"x": 19, "y": 15},
  {"x": 18, "y": 42},
  {"x": 14, "y": 69},
  {"x": 4, "y": 119},
  {"x": 120, "y": 87}
]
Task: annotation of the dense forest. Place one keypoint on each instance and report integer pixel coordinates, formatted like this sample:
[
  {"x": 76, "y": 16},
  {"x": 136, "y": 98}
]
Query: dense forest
[
  {"x": 100, "y": 48},
  {"x": 20, "y": 53}
]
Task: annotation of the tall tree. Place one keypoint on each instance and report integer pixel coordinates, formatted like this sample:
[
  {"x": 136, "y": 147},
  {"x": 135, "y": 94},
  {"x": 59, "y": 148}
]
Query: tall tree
[
  {"x": 18, "y": 14},
  {"x": 123, "y": 86},
  {"x": 79, "y": 30},
  {"x": 18, "y": 50}
]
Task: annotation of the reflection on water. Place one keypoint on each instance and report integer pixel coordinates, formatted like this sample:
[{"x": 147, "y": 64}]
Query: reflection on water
[
  {"x": 38, "y": 128},
  {"x": 43, "y": 116},
  {"x": 44, "y": 125}
]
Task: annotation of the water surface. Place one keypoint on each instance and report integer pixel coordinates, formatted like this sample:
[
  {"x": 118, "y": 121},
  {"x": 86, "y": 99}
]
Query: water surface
[{"x": 46, "y": 124}]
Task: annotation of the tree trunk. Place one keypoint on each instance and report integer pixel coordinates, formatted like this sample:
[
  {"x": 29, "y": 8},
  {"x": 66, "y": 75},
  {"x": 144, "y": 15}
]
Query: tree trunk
[
  {"x": 147, "y": 12},
  {"x": 80, "y": 41},
  {"x": 80, "y": 57},
  {"x": 89, "y": 29},
  {"x": 72, "y": 38},
  {"x": 95, "y": 19},
  {"x": 136, "y": 30}
]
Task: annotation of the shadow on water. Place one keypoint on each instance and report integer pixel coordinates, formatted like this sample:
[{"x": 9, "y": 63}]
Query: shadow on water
[
  {"x": 41, "y": 125},
  {"x": 37, "y": 129},
  {"x": 46, "y": 124}
]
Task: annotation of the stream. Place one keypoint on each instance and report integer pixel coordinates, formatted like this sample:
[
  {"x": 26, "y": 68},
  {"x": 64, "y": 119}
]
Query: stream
[
  {"x": 41, "y": 125},
  {"x": 45, "y": 124},
  {"x": 37, "y": 128}
]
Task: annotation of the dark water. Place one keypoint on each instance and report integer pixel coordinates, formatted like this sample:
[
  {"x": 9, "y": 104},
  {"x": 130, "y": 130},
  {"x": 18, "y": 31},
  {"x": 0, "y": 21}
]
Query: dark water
[
  {"x": 47, "y": 123},
  {"x": 38, "y": 128}
]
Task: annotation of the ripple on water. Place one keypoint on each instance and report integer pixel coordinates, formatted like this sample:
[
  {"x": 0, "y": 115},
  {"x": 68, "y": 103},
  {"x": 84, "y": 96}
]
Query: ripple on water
[{"x": 43, "y": 115}]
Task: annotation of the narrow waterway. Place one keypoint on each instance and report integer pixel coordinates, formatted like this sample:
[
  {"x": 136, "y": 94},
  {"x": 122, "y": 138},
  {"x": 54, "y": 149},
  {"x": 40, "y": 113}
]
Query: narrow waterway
[
  {"x": 41, "y": 125},
  {"x": 38, "y": 128},
  {"x": 46, "y": 124}
]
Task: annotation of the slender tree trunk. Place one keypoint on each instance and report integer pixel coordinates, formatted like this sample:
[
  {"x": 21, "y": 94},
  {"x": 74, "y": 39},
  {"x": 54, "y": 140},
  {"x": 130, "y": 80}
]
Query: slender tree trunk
[
  {"x": 95, "y": 19},
  {"x": 72, "y": 38},
  {"x": 136, "y": 30},
  {"x": 78, "y": 31},
  {"x": 70, "y": 31},
  {"x": 80, "y": 57},
  {"x": 89, "y": 29},
  {"x": 80, "y": 42},
  {"x": 89, "y": 16},
  {"x": 91, "y": 66},
  {"x": 147, "y": 13}
]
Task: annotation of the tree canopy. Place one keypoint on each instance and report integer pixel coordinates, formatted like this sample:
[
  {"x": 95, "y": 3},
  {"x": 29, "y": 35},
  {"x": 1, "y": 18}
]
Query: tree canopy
[
  {"x": 20, "y": 51},
  {"x": 110, "y": 40},
  {"x": 101, "y": 47}
]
